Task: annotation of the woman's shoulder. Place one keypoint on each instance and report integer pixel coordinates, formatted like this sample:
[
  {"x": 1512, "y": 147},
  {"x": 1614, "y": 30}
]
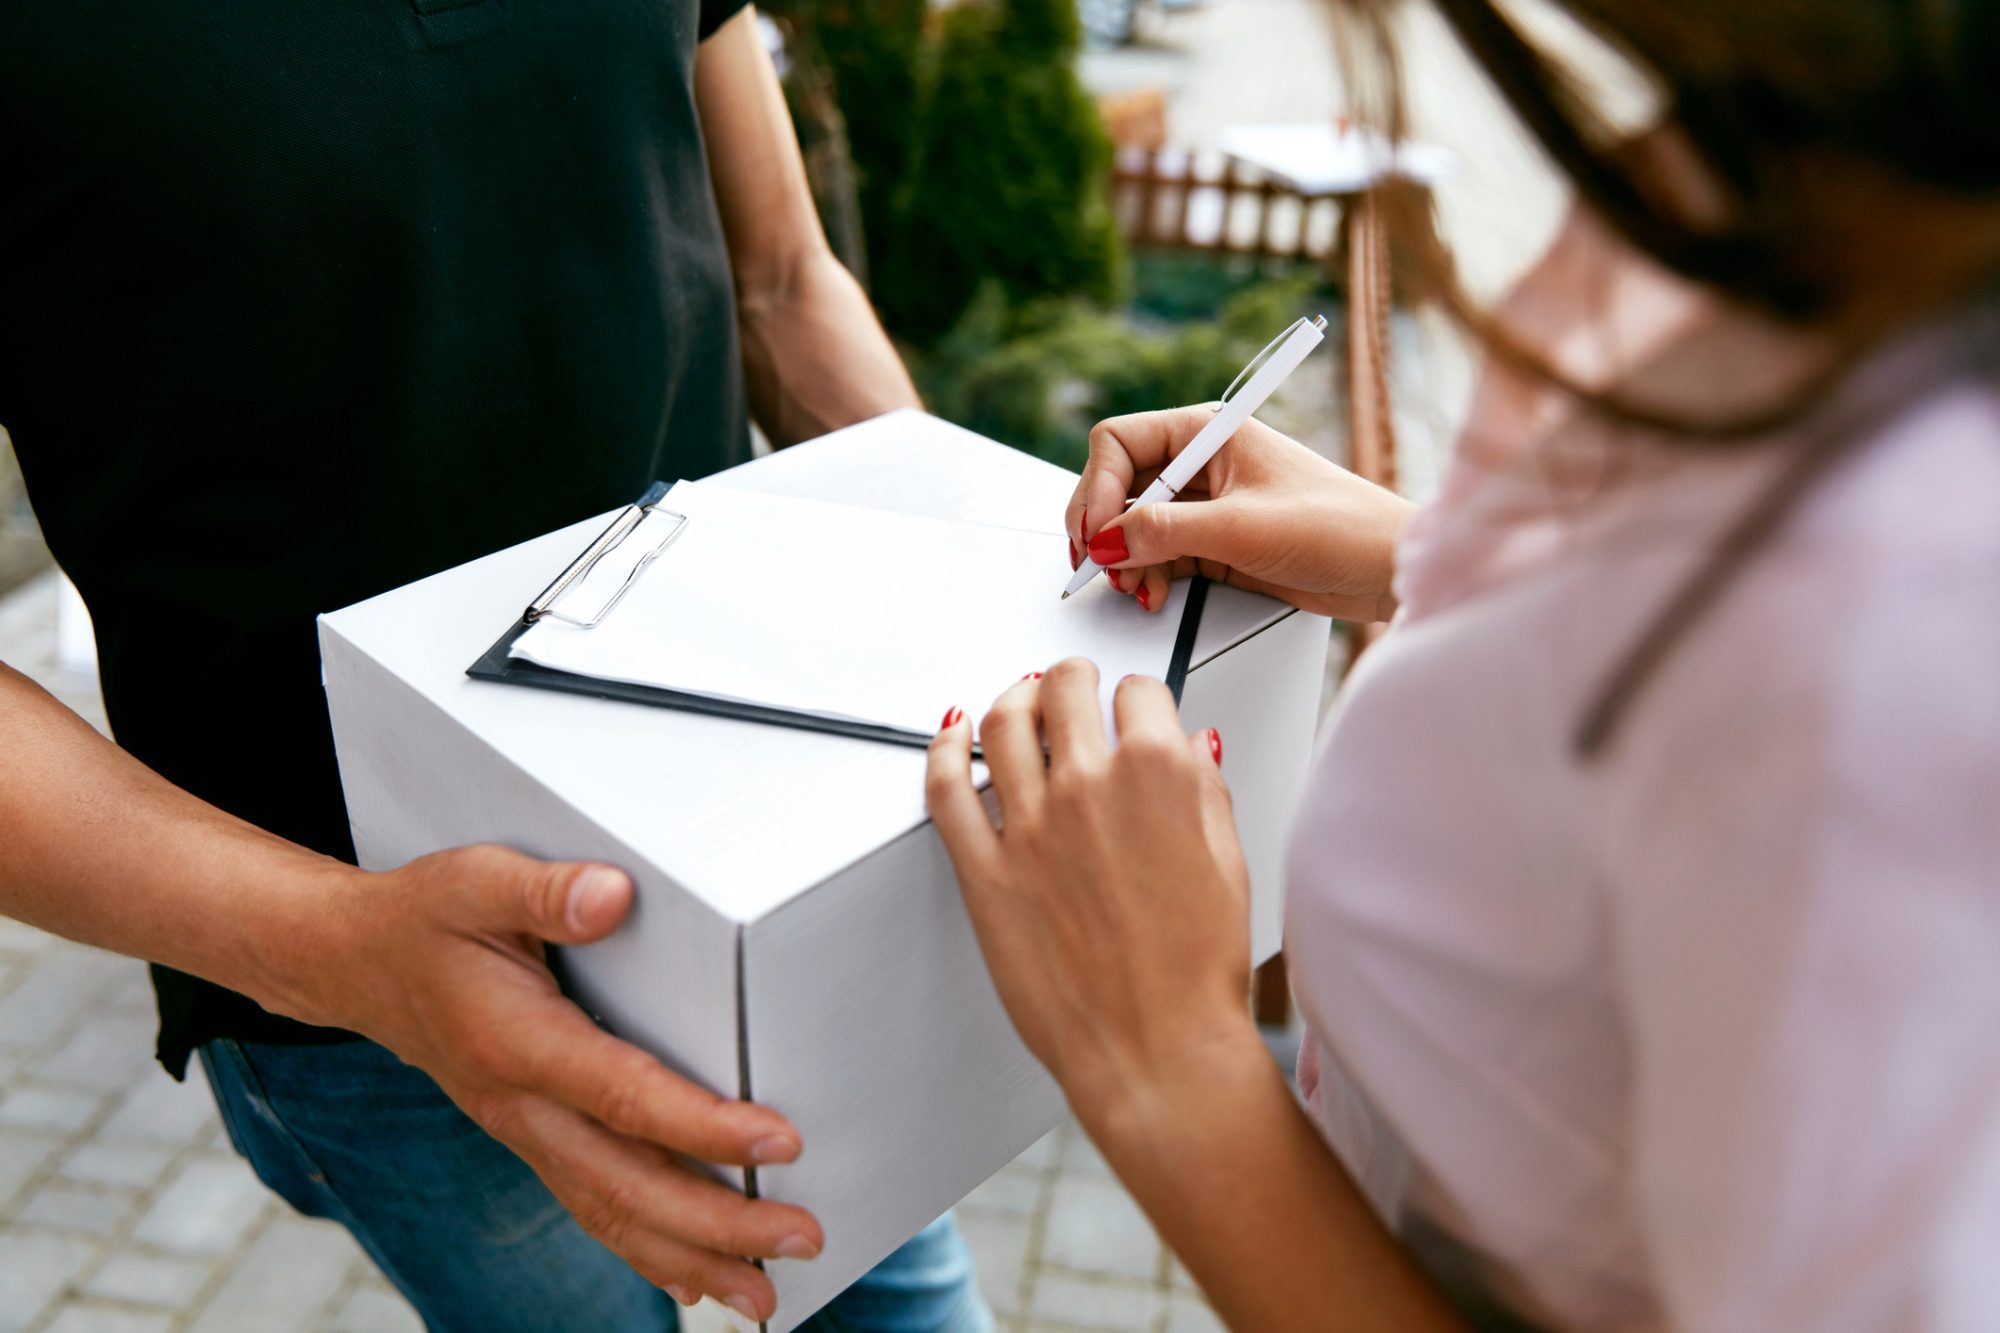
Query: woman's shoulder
[
  {"x": 1920, "y": 480},
  {"x": 1856, "y": 658}
]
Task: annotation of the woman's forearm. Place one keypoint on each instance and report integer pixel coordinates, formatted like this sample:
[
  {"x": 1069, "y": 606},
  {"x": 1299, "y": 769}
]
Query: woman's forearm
[
  {"x": 96, "y": 847},
  {"x": 1247, "y": 1194}
]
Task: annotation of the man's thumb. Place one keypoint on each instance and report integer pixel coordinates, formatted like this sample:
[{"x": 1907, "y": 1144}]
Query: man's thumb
[{"x": 574, "y": 903}]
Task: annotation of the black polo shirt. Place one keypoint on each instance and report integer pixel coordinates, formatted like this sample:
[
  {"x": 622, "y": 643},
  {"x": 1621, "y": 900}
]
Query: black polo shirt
[{"x": 302, "y": 301}]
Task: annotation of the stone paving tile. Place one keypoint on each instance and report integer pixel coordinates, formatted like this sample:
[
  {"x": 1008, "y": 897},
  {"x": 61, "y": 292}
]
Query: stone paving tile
[
  {"x": 131, "y": 1165},
  {"x": 1041, "y": 1154},
  {"x": 160, "y": 1111},
  {"x": 22, "y": 1155},
  {"x": 53, "y": 994},
  {"x": 84, "y": 1318},
  {"x": 16, "y": 938},
  {"x": 371, "y": 1310},
  {"x": 132, "y": 996},
  {"x": 1187, "y": 1314},
  {"x": 34, "y": 1268},
  {"x": 62, "y": 1207},
  {"x": 150, "y": 1279},
  {"x": 58, "y": 1110},
  {"x": 208, "y": 1207},
  {"x": 1079, "y": 1154},
  {"x": 1012, "y": 1192},
  {"x": 1000, "y": 1247},
  {"x": 289, "y": 1274},
  {"x": 106, "y": 1053},
  {"x": 1077, "y": 1302},
  {"x": 1094, "y": 1227}
]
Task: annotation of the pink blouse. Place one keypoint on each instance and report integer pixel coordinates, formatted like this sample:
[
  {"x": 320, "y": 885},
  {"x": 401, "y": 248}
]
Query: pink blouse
[{"x": 1703, "y": 1034}]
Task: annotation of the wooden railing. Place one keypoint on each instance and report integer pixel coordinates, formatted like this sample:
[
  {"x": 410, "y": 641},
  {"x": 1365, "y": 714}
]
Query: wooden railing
[{"x": 1170, "y": 198}]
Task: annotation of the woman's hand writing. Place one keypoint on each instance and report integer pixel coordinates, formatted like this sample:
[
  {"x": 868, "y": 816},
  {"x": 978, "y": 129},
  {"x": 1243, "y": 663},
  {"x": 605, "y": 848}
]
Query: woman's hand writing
[{"x": 1267, "y": 514}]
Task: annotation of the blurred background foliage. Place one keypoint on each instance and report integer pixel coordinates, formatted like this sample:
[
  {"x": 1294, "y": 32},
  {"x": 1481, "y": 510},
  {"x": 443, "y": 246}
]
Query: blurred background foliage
[
  {"x": 964, "y": 175},
  {"x": 1039, "y": 374}
]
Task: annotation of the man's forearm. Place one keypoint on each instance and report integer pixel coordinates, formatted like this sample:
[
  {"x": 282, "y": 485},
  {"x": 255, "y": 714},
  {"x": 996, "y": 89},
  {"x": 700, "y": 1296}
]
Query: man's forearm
[
  {"x": 1254, "y": 1202},
  {"x": 815, "y": 357},
  {"x": 96, "y": 847}
]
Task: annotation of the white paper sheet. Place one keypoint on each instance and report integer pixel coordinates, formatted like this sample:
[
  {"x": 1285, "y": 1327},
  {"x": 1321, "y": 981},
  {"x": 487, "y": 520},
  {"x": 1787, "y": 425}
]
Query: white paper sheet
[{"x": 844, "y": 612}]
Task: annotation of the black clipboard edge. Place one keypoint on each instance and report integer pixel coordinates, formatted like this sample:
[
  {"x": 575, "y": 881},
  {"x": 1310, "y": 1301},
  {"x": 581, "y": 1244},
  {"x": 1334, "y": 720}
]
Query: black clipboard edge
[
  {"x": 1183, "y": 656},
  {"x": 496, "y": 665}
]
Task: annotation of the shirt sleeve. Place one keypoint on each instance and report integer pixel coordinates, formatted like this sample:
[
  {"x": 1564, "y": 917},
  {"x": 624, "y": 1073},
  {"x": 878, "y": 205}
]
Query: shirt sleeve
[
  {"x": 1810, "y": 955},
  {"x": 715, "y": 13}
]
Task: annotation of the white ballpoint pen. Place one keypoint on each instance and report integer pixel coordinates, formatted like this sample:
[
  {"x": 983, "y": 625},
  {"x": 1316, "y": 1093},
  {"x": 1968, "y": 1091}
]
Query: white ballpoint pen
[{"x": 1266, "y": 371}]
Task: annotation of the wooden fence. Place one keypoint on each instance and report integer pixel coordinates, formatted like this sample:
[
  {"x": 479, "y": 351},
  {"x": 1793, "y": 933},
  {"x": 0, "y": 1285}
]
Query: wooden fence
[{"x": 1170, "y": 198}]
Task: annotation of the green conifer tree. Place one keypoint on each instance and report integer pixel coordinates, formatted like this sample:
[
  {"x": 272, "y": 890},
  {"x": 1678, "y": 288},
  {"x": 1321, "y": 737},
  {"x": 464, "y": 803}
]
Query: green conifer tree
[{"x": 1008, "y": 173}]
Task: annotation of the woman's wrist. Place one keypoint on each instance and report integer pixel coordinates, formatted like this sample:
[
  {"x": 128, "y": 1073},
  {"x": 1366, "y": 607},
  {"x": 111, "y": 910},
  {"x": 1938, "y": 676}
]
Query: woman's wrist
[{"x": 1134, "y": 1104}]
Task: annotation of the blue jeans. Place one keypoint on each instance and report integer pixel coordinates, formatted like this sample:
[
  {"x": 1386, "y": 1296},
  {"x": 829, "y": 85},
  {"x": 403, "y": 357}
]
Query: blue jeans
[{"x": 468, "y": 1233}]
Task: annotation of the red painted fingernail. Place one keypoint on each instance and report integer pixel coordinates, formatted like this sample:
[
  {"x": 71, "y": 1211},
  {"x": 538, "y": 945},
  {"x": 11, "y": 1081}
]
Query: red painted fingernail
[
  {"x": 951, "y": 718},
  {"x": 1108, "y": 547},
  {"x": 1112, "y": 574},
  {"x": 1215, "y": 746},
  {"x": 1145, "y": 596},
  {"x": 1074, "y": 559},
  {"x": 1032, "y": 675}
]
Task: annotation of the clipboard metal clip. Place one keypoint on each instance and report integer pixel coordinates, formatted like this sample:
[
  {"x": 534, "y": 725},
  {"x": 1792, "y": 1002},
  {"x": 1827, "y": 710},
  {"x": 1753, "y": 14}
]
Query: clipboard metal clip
[{"x": 613, "y": 537}]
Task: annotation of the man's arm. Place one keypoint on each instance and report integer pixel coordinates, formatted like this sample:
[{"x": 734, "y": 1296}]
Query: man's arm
[
  {"x": 441, "y": 961},
  {"x": 814, "y": 355}
]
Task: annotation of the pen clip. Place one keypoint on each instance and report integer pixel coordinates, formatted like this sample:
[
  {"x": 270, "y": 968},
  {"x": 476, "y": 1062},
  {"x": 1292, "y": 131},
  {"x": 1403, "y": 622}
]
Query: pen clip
[{"x": 1257, "y": 361}]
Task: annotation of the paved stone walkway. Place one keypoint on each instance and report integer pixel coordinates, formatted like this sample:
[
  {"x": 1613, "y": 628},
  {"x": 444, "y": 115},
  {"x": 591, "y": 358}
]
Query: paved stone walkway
[{"x": 123, "y": 1208}]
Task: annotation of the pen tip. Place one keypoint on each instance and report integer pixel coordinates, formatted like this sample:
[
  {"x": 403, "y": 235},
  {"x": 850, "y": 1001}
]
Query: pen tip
[{"x": 1065, "y": 595}]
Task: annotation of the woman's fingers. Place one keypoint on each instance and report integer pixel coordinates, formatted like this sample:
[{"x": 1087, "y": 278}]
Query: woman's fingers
[
  {"x": 1229, "y": 531},
  {"x": 1123, "y": 448},
  {"x": 1148, "y": 585},
  {"x": 1151, "y": 592},
  {"x": 954, "y": 802},
  {"x": 1218, "y": 807},
  {"x": 1072, "y": 718},
  {"x": 1146, "y": 713},
  {"x": 1010, "y": 736}
]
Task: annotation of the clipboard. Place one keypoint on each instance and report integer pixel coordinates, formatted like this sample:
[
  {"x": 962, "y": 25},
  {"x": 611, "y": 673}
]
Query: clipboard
[{"x": 498, "y": 665}]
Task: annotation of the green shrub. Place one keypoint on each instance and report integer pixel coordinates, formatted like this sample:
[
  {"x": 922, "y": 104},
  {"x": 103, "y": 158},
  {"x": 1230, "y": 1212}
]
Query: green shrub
[
  {"x": 1008, "y": 173},
  {"x": 873, "y": 53},
  {"x": 1039, "y": 375}
]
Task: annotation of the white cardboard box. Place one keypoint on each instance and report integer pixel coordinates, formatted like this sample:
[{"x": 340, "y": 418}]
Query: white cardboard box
[{"x": 798, "y": 936}]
